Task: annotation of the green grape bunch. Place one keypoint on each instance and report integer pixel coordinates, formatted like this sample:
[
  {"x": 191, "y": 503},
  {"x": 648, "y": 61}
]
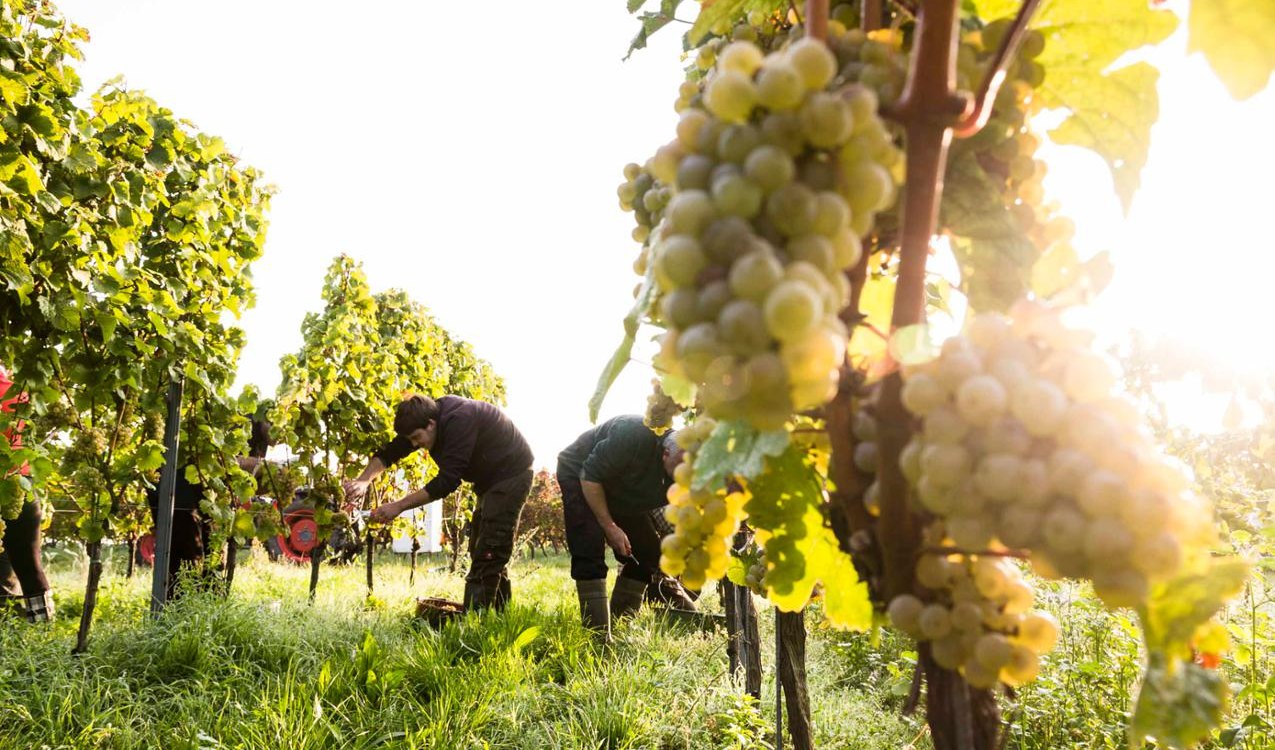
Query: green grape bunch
[
  {"x": 704, "y": 520},
  {"x": 978, "y": 618},
  {"x": 755, "y": 578},
  {"x": 775, "y": 175},
  {"x": 1026, "y": 445},
  {"x": 1006, "y": 147},
  {"x": 660, "y": 409}
]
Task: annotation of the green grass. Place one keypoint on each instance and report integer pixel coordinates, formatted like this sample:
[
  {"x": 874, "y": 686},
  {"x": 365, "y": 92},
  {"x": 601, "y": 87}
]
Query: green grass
[{"x": 266, "y": 669}]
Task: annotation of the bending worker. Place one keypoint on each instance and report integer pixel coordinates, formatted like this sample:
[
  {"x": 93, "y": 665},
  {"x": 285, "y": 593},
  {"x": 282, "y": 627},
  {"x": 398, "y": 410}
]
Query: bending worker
[
  {"x": 470, "y": 441},
  {"x": 613, "y": 478}
]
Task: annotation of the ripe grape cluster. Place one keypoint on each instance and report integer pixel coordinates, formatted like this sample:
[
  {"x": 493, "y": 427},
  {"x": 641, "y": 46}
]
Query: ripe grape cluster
[
  {"x": 1024, "y": 444},
  {"x": 660, "y": 409},
  {"x": 703, "y": 520},
  {"x": 978, "y": 620},
  {"x": 641, "y": 194},
  {"x": 775, "y": 174},
  {"x": 755, "y": 578},
  {"x": 1006, "y": 147},
  {"x": 867, "y": 456}
]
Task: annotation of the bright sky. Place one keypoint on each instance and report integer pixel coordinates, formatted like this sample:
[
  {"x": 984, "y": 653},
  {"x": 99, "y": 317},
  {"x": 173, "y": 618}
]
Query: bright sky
[{"x": 474, "y": 165}]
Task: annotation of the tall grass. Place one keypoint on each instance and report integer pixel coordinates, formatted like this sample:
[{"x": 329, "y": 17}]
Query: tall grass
[{"x": 266, "y": 669}]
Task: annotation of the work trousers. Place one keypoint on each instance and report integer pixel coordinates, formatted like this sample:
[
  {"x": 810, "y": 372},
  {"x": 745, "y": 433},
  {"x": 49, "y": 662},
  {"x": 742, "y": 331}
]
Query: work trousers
[{"x": 587, "y": 543}]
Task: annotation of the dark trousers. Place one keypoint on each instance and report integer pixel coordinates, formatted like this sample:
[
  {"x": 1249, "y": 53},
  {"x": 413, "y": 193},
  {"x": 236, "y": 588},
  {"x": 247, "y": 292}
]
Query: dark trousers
[
  {"x": 21, "y": 573},
  {"x": 492, "y": 532},
  {"x": 188, "y": 546},
  {"x": 587, "y": 544}
]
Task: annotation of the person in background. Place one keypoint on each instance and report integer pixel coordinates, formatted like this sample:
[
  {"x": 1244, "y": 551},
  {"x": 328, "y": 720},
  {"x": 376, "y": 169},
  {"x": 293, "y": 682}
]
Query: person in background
[
  {"x": 189, "y": 543},
  {"x": 613, "y": 478},
  {"x": 470, "y": 441},
  {"x": 22, "y": 575}
]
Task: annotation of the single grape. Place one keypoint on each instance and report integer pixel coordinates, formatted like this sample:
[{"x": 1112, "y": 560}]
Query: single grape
[
  {"x": 793, "y": 311},
  {"x": 730, "y": 95}
]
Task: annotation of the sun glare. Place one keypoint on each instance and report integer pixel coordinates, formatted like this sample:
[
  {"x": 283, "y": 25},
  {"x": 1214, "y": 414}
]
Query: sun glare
[{"x": 1194, "y": 257}]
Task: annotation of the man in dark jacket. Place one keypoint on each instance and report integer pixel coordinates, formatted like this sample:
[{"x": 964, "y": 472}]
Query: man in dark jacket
[
  {"x": 470, "y": 441},
  {"x": 613, "y": 478}
]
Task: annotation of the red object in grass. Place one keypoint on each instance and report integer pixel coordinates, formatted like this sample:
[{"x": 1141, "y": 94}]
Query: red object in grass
[
  {"x": 302, "y": 536},
  {"x": 146, "y": 548},
  {"x": 1208, "y": 660},
  {"x": 8, "y": 406}
]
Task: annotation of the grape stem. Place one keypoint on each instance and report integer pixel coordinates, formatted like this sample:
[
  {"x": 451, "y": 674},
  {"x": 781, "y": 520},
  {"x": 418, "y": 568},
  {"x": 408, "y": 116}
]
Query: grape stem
[
  {"x": 985, "y": 98},
  {"x": 907, "y": 6},
  {"x": 817, "y": 19}
]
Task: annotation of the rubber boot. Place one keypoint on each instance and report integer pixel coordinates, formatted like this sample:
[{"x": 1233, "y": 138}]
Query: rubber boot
[
  {"x": 40, "y": 607},
  {"x": 670, "y": 593},
  {"x": 593, "y": 607},
  {"x": 478, "y": 596},
  {"x": 626, "y": 597}
]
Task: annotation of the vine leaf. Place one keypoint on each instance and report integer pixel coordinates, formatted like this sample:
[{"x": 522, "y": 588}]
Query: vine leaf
[
  {"x": 1180, "y": 701},
  {"x": 1112, "y": 107},
  {"x": 846, "y": 604},
  {"x": 652, "y": 21},
  {"x": 646, "y": 295},
  {"x": 1177, "y": 609},
  {"x": 785, "y": 508},
  {"x": 1112, "y": 115},
  {"x": 1237, "y": 37},
  {"x": 716, "y": 12},
  {"x": 993, "y": 254},
  {"x": 735, "y": 449}
]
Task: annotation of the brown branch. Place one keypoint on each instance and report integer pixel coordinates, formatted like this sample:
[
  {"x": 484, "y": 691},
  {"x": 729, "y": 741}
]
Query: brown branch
[
  {"x": 870, "y": 15},
  {"x": 985, "y": 98},
  {"x": 928, "y": 109},
  {"x": 66, "y": 392},
  {"x": 817, "y": 19}
]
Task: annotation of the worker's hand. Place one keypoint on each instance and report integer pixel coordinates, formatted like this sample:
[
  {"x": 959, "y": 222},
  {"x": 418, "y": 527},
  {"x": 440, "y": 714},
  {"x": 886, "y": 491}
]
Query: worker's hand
[
  {"x": 355, "y": 489},
  {"x": 618, "y": 540},
  {"x": 385, "y": 513}
]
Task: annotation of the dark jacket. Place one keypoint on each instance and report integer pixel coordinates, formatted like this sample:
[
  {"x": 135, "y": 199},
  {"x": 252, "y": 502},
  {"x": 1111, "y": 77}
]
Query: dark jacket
[
  {"x": 626, "y": 458},
  {"x": 475, "y": 442}
]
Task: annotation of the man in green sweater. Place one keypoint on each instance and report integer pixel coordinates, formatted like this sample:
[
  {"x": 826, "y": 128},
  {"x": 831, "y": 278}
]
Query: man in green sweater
[{"x": 613, "y": 478}]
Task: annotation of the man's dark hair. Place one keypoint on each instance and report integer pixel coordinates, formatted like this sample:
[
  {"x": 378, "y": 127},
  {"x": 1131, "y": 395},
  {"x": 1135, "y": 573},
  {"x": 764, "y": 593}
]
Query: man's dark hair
[{"x": 414, "y": 413}]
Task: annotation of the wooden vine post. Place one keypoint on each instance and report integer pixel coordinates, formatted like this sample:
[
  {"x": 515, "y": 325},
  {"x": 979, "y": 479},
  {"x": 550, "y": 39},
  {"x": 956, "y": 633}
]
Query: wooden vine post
[
  {"x": 369, "y": 540},
  {"x": 232, "y": 557},
  {"x": 790, "y": 668},
  {"x": 164, "y": 512},
  {"x": 316, "y": 560}
]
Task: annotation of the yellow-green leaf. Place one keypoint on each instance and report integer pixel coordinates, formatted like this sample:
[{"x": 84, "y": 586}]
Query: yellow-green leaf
[
  {"x": 1055, "y": 270},
  {"x": 1111, "y": 115},
  {"x": 1112, "y": 109},
  {"x": 1237, "y": 37}
]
